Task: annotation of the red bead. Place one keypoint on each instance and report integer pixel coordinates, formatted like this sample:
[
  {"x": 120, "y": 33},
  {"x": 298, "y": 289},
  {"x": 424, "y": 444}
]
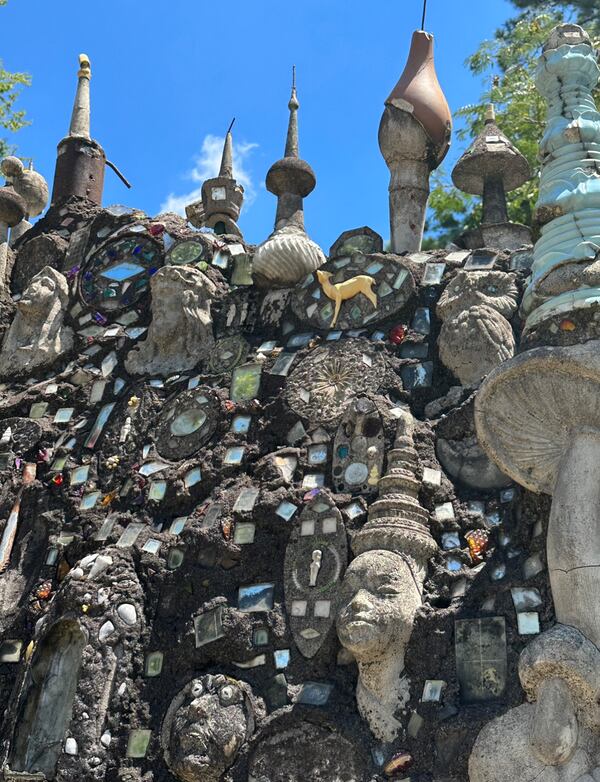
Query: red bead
[
  {"x": 58, "y": 479},
  {"x": 397, "y": 334}
]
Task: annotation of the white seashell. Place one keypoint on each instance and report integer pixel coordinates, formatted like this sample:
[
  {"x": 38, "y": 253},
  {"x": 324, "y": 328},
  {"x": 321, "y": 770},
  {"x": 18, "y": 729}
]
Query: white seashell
[
  {"x": 71, "y": 746},
  {"x": 127, "y": 613},
  {"x": 286, "y": 258},
  {"x": 101, "y": 564},
  {"x": 106, "y": 630}
]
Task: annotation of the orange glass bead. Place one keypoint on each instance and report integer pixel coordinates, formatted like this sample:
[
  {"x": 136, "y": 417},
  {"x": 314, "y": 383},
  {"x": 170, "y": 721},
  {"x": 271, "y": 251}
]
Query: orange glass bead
[
  {"x": 478, "y": 542},
  {"x": 567, "y": 325}
]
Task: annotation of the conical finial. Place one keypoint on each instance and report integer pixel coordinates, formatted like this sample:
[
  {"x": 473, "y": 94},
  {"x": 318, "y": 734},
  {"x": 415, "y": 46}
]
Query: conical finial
[
  {"x": 291, "y": 144},
  {"x": 226, "y": 169},
  {"x": 80, "y": 118}
]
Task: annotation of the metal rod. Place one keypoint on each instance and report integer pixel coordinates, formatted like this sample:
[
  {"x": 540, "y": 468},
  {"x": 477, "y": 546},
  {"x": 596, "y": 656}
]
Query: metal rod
[
  {"x": 424, "y": 12},
  {"x": 119, "y": 174},
  {"x": 229, "y": 128}
]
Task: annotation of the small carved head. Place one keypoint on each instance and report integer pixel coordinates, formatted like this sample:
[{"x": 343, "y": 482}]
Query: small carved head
[
  {"x": 205, "y": 727},
  {"x": 47, "y": 287}
]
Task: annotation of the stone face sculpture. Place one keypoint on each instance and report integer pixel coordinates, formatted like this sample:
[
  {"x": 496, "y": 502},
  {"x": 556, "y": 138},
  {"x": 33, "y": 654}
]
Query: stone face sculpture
[
  {"x": 180, "y": 334},
  {"x": 476, "y": 335},
  {"x": 37, "y": 335},
  {"x": 382, "y": 588},
  {"x": 379, "y": 598},
  {"x": 205, "y": 727}
]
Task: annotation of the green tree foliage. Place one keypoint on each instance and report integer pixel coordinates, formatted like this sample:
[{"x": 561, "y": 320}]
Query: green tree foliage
[
  {"x": 10, "y": 87},
  {"x": 585, "y": 12},
  {"x": 506, "y": 64}
]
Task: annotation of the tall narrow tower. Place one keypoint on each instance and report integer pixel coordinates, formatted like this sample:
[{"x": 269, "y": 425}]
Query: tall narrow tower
[
  {"x": 414, "y": 136},
  {"x": 80, "y": 160},
  {"x": 222, "y": 197},
  {"x": 288, "y": 255}
]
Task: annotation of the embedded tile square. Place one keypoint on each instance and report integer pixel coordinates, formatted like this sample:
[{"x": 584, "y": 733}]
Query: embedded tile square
[
  {"x": 313, "y": 481},
  {"x": 192, "y": 477},
  {"x": 260, "y": 636},
  {"x": 38, "y": 410},
  {"x": 152, "y": 546},
  {"x": 234, "y": 455},
  {"x": 444, "y": 512},
  {"x": 450, "y": 540},
  {"x": 244, "y": 533},
  {"x": 281, "y": 658},
  {"x": 525, "y": 599},
  {"x": 417, "y": 375},
  {"x": 106, "y": 528},
  {"x": 329, "y": 525},
  {"x": 307, "y": 527},
  {"x": 257, "y": 597},
  {"x": 175, "y": 558},
  {"x": 138, "y": 743},
  {"x": 241, "y": 424},
  {"x": 481, "y": 658},
  {"x": 130, "y": 534},
  {"x": 414, "y": 350},
  {"x": 88, "y": 501},
  {"x": 480, "y": 259},
  {"x": 433, "y": 273},
  {"x": 246, "y": 500},
  {"x": 317, "y": 454},
  {"x": 10, "y": 651},
  {"x": 208, "y": 627},
  {"x": 532, "y": 566},
  {"x": 528, "y": 623},
  {"x": 299, "y": 607},
  {"x": 157, "y": 490},
  {"x": 432, "y": 477},
  {"x": 432, "y": 690},
  {"x": 149, "y": 468},
  {"x": 64, "y": 415},
  {"x": 315, "y": 693},
  {"x": 153, "y": 664},
  {"x": 286, "y": 510},
  {"x": 79, "y": 475},
  {"x": 354, "y": 510},
  {"x": 178, "y": 525},
  {"x": 458, "y": 256},
  {"x": 421, "y": 321},
  {"x": 322, "y": 608}
]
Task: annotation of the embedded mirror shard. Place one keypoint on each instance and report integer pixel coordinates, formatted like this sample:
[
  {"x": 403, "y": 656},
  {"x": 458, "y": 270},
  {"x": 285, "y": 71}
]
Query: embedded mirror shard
[{"x": 47, "y": 701}]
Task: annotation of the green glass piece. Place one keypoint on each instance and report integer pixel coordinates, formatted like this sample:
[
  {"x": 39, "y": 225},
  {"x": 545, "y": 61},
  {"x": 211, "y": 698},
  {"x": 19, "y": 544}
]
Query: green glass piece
[
  {"x": 245, "y": 382},
  {"x": 137, "y": 746}
]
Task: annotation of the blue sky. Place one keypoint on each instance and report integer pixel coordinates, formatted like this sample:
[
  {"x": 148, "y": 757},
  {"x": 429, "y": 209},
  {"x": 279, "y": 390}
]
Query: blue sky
[{"x": 169, "y": 76}]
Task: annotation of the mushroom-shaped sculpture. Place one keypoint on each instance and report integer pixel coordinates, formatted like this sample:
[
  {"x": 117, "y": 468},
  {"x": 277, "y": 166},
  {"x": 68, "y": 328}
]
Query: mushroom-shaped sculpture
[
  {"x": 414, "y": 136},
  {"x": 538, "y": 418},
  {"x": 30, "y": 185},
  {"x": 492, "y": 167},
  {"x": 555, "y": 735}
]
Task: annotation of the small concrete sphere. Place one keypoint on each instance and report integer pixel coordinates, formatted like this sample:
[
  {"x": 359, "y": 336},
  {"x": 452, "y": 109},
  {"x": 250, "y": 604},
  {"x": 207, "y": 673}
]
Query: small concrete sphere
[{"x": 30, "y": 185}]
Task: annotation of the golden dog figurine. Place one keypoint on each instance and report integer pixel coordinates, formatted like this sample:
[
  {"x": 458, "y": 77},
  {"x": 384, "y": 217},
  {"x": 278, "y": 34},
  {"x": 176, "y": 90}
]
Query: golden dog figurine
[{"x": 348, "y": 289}]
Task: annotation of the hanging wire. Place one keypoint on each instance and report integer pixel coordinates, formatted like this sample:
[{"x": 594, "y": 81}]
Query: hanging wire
[{"x": 424, "y": 13}]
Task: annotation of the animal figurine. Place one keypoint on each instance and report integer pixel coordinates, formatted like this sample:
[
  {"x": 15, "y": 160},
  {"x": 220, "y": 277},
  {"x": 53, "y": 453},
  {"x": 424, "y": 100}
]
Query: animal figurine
[{"x": 348, "y": 289}]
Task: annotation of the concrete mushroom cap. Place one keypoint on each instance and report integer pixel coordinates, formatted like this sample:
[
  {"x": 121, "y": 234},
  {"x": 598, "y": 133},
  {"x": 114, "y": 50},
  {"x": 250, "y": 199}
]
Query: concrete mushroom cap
[
  {"x": 564, "y": 653},
  {"x": 486, "y": 159},
  {"x": 528, "y": 409}
]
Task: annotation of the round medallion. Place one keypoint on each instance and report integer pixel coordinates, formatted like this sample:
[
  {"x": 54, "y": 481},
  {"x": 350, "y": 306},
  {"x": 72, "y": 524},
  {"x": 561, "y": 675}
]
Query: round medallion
[
  {"x": 188, "y": 251},
  {"x": 118, "y": 274},
  {"x": 24, "y": 434},
  {"x": 227, "y": 354},
  {"x": 356, "y": 473},
  {"x": 188, "y": 421},
  {"x": 330, "y": 377}
]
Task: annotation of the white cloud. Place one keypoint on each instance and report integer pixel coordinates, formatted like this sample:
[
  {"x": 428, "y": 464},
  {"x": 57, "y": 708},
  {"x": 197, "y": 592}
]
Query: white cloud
[{"x": 207, "y": 165}]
